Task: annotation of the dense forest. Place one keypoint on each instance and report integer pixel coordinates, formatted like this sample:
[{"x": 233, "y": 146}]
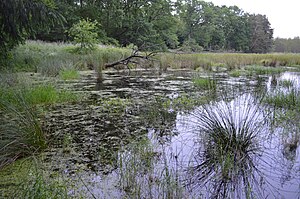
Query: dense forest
[
  {"x": 188, "y": 25},
  {"x": 287, "y": 45}
]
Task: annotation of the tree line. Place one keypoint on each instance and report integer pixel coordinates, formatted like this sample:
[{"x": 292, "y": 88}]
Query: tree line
[
  {"x": 283, "y": 45},
  {"x": 191, "y": 25}
]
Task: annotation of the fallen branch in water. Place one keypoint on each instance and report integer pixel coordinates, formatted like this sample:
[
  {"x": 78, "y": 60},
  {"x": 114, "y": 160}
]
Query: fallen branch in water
[{"x": 131, "y": 59}]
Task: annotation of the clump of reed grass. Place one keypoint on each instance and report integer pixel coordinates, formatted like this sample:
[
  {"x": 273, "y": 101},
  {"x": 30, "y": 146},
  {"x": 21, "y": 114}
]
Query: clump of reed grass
[
  {"x": 262, "y": 70},
  {"x": 20, "y": 130},
  {"x": 235, "y": 73},
  {"x": 39, "y": 94},
  {"x": 54, "y": 63},
  {"x": 166, "y": 61},
  {"x": 230, "y": 136},
  {"x": 286, "y": 83},
  {"x": 32, "y": 93},
  {"x": 48, "y": 94},
  {"x": 69, "y": 74},
  {"x": 20, "y": 126},
  {"x": 205, "y": 83},
  {"x": 283, "y": 99}
]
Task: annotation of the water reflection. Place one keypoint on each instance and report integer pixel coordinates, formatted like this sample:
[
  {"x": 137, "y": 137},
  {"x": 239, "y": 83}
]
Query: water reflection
[
  {"x": 231, "y": 152},
  {"x": 225, "y": 161},
  {"x": 223, "y": 149}
]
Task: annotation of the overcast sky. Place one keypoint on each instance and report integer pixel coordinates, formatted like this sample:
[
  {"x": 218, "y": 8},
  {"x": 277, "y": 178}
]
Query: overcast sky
[{"x": 284, "y": 15}]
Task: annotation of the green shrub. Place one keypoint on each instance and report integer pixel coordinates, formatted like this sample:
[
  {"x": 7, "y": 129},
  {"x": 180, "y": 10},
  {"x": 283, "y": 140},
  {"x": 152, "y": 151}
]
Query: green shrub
[
  {"x": 191, "y": 45},
  {"x": 84, "y": 33}
]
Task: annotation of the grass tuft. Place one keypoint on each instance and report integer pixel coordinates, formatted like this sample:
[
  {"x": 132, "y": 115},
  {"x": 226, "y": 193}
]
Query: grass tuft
[
  {"x": 230, "y": 131},
  {"x": 69, "y": 74},
  {"x": 20, "y": 130},
  {"x": 282, "y": 99},
  {"x": 205, "y": 83},
  {"x": 262, "y": 70}
]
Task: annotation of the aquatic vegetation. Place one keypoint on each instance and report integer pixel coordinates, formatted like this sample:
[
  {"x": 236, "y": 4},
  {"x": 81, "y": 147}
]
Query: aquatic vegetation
[
  {"x": 48, "y": 94},
  {"x": 69, "y": 74},
  {"x": 66, "y": 143},
  {"x": 230, "y": 135},
  {"x": 187, "y": 102},
  {"x": 283, "y": 99},
  {"x": 114, "y": 105},
  {"x": 235, "y": 73},
  {"x": 262, "y": 70},
  {"x": 139, "y": 176},
  {"x": 286, "y": 83},
  {"x": 205, "y": 83},
  {"x": 40, "y": 94},
  {"x": 159, "y": 113},
  {"x": 108, "y": 140},
  {"x": 28, "y": 180}
]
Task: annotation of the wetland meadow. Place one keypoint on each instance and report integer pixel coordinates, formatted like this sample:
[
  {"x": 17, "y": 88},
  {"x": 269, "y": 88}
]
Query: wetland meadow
[{"x": 209, "y": 125}]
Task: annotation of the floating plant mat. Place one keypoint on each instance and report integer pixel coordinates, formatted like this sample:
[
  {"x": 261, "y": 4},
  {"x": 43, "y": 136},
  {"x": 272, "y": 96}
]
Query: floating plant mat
[{"x": 145, "y": 135}]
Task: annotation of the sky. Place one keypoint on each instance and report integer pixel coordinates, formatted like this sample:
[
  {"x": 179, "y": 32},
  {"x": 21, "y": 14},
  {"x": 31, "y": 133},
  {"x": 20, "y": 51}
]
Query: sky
[{"x": 283, "y": 15}]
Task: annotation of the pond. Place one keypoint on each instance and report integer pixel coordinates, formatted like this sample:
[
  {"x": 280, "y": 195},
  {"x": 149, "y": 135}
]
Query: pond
[{"x": 148, "y": 135}]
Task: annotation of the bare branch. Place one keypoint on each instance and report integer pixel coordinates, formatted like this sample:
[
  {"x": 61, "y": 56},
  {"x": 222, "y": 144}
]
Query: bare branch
[{"x": 131, "y": 59}]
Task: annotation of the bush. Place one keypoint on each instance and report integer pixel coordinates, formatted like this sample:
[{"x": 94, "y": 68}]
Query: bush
[
  {"x": 191, "y": 45},
  {"x": 84, "y": 33}
]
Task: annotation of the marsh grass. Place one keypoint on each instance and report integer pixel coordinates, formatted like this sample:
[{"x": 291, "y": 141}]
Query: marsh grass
[
  {"x": 51, "y": 58},
  {"x": 141, "y": 176},
  {"x": 286, "y": 83},
  {"x": 26, "y": 179},
  {"x": 205, "y": 83},
  {"x": 20, "y": 129},
  {"x": 235, "y": 73},
  {"x": 230, "y": 61},
  {"x": 69, "y": 74},
  {"x": 281, "y": 99},
  {"x": 35, "y": 94},
  {"x": 230, "y": 135},
  {"x": 262, "y": 70}
]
